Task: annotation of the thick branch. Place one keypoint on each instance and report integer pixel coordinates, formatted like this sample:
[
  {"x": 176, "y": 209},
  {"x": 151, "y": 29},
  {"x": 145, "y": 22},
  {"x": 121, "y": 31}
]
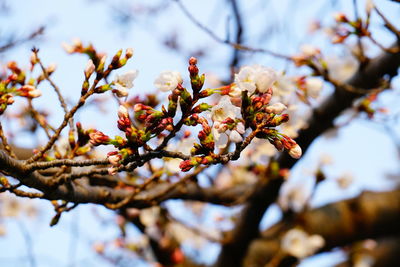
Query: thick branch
[
  {"x": 322, "y": 119},
  {"x": 82, "y": 192},
  {"x": 371, "y": 215}
]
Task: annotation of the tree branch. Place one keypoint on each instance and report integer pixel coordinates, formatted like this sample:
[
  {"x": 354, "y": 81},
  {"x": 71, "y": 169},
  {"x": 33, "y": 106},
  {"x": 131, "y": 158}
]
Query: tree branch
[
  {"x": 82, "y": 192},
  {"x": 370, "y": 215},
  {"x": 322, "y": 119}
]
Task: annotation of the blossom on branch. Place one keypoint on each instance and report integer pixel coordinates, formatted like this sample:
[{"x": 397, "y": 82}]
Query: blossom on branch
[
  {"x": 29, "y": 91},
  {"x": 124, "y": 82},
  {"x": 98, "y": 138},
  {"x": 299, "y": 244},
  {"x": 225, "y": 128},
  {"x": 224, "y": 109},
  {"x": 256, "y": 77},
  {"x": 168, "y": 80}
]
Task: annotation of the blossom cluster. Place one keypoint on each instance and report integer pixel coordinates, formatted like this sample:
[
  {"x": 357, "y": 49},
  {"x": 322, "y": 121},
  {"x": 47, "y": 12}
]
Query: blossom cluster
[
  {"x": 243, "y": 112},
  {"x": 17, "y": 84}
]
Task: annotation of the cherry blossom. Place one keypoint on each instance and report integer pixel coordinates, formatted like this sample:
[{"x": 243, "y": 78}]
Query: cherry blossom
[
  {"x": 168, "y": 80},
  {"x": 224, "y": 109},
  {"x": 255, "y": 77},
  {"x": 276, "y": 108},
  {"x": 314, "y": 87},
  {"x": 221, "y": 113},
  {"x": 124, "y": 82},
  {"x": 299, "y": 244}
]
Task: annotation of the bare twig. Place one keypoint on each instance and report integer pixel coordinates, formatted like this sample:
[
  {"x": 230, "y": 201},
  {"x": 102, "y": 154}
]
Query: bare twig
[
  {"x": 4, "y": 141},
  {"x": 30, "y": 37},
  {"x": 57, "y": 90},
  {"x": 28, "y": 242},
  {"x": 227, "y": 42}
]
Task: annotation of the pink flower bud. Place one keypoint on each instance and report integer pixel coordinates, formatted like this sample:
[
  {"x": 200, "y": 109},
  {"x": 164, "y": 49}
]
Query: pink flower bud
[
  {"x": 98, "y": 138},
  {"x": 29, "y": 91},
  {"x": 186, "y": 165},
  {"x": 340, "y": 17},
  {"x": 192, "y": 61}
]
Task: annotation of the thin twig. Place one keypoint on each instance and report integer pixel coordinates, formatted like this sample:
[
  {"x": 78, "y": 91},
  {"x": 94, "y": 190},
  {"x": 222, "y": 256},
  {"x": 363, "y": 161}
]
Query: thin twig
[
  {"x": 36, "y": 116},
  {"x": 28, "y": 242},
  {"x": 64, "y": 123},
  {"x": 4, "y": 141},
  {"x": 57, "y": 90},
  {"x": 30, "y": 37},
  {"x": 227, "y": 42},
  {"x": 388, "y": 24}
]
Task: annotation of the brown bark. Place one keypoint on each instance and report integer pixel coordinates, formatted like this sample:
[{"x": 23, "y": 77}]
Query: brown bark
[
  {"x": 371, "y": 215},
  {"x": 322, "y": 119}
]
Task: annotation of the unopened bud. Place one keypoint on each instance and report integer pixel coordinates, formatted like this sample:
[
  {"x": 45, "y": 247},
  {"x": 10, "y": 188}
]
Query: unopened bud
[
  {"x": 295, "y": 152},
  {"x": 340, "y": 17},
  {"x": 90, "y": 67},
  {"x": 122, "y": 111},
  {"x": 129, "y": 52},
  {"x": 192, "y": 61},
  {"x": 51, "y": 68}
]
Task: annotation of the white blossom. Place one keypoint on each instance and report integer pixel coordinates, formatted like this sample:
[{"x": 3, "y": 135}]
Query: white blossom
[
  {"x": 255, "y": 77},
  {"x": 235, "y": 91},
  {"x": 219, "y": 113},
  {"x": 240, "y": 128},
  {"x": 299, "y": 244},
  {"x": 265, "y": 77},
  {"x": 298, "y": 120},
  {"x": 294, "y": 197},
  {"x": 276, "y": 108},
  {"x": 234, "y": 136},
  {"x": 314, "y": 87},
  {"x": 342, "y": 68},
  {"x": 369, "y": 5},
  {"x": 221, "y": 139},
  {"x": 149, "y": 216},
  {"x": 260, "y": 150},
  {"x": 235, "y": 175},
  {"x": 309, "y": 50},
  {"x": 124, "y": 82},
  {"x": 168, "y": 80},
  {"x": 224, "y": 109},
  {"x": 363, "y": 260},
  {"x": 345, "y": 180},
  {"x": 326, "y": 159},
  {"x": 283, "y": 88}
]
